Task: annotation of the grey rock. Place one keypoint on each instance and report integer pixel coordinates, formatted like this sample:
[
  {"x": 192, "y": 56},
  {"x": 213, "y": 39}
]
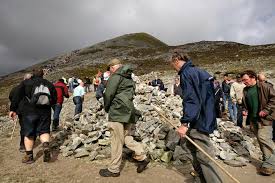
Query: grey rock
[
  {"x": 93, "y": 134},
  {"x": 180, "y": 154},
  {"x": 100, "y": 157},
  {"x": 234, "y": 163},
  {"x": 166, "y": 156},
  {"x": 225, "y": 146},
  {"x": 104, "y": 142},
  {"x": 161, "y": 144},
  {"x": 107, "y": 133},
  {"x": 67, "y": 152},
  {"x": 156, "y": 154},
  {"x": 81, "y": 153},
  {"x": 172, "y": 139},
  {"x": 161, "y": 136},
  {"x": 240, "y": 150},
  {"x": 242, "y": 159},
  {"x": 76, "y": 143},
  {"x": 93, "y": 155},
  {"x": 227, "y": 155}
]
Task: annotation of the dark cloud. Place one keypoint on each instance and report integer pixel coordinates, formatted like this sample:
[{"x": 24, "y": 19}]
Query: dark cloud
[{"x": 33, "y": 30}]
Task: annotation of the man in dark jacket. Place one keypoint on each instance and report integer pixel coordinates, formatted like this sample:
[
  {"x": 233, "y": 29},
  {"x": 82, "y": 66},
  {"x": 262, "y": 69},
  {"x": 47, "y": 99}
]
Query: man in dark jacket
[
  {"x": 118, "y": 102},
  {"x": 20, "y": 107},
  {"x": 176, "y": 89},
  {"x": 259, "y": 105},
  {"x": 62, "y": 91},
  {"x": 102, "y": 85},
  {"x": 199, "y": 118},
  {"x": 262, "y": 78},
  {"x": 158, "y": 82},
  {"x": 38, "y": 96}
]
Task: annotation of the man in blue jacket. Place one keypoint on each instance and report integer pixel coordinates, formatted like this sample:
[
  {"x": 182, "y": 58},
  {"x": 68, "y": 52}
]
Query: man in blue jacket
[{"x": 199, "y": 118}]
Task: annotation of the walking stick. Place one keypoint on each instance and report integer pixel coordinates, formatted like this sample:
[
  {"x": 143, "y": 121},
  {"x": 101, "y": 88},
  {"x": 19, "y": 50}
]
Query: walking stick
[
  {"x": 14, "y": 126},
  {"x": 197, "y": 146}
]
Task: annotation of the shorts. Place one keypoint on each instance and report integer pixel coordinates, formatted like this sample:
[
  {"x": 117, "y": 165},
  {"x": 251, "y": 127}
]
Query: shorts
[{"x": 35, "y": 124}]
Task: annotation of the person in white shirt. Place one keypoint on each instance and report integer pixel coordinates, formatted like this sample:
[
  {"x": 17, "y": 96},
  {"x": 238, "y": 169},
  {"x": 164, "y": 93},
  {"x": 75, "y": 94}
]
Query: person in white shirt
[
  {"x": 78, "y": 99},
  {"x": 236, "y": 94}
]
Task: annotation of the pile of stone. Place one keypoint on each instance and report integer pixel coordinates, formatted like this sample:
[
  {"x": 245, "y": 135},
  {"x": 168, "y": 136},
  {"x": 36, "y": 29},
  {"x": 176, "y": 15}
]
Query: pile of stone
[
  {"x": 234, "y": 145},
  {"x": 90, "y": 137}
]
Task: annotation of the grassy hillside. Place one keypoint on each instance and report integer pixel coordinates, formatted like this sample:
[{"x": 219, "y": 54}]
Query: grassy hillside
[{"x": 146, "y": 53}]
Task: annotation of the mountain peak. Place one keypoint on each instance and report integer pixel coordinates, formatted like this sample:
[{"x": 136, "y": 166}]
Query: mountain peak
[{"x": 133, "y": 40}]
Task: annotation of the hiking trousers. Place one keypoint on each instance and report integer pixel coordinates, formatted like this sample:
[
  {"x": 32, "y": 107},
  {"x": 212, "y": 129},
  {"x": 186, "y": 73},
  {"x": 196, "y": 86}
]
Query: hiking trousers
[
  {"x": 264, "y": 137},
  {"x": 207, "y": 170},
  {"x": 120, "y": 135}
]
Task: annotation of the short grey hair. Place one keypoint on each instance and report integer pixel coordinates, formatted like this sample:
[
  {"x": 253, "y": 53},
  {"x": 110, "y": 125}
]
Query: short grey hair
[{"x": 27, "y": 76}]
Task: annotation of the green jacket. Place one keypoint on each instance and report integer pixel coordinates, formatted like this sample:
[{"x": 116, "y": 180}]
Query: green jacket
[{"x": 119, "y": 95}]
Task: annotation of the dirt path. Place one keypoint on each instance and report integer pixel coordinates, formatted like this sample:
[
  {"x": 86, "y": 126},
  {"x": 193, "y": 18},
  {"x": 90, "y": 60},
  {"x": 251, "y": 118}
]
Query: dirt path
[{"x": 83, "y": 170}]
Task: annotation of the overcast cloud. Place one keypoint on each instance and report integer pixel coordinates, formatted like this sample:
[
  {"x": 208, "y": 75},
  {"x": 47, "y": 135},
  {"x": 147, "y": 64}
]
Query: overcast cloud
[{"x": 33, "y": 30}]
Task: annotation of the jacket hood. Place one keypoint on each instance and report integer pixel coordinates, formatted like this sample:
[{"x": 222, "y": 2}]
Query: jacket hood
[{"x": 125, "y": 71}]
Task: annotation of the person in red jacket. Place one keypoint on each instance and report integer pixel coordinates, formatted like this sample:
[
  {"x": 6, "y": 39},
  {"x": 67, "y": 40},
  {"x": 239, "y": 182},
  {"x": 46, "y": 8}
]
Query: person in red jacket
[{"x": 62, "y": 91}]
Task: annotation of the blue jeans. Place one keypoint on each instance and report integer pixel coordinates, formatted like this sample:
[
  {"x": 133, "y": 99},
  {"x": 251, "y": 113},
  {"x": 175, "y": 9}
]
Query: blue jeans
[
  {"x": 57, "y": 109},
  {"x": 78, "y": 104},
  {"x": 233, "y": 111},
  {"x": 232, "y": 108}
]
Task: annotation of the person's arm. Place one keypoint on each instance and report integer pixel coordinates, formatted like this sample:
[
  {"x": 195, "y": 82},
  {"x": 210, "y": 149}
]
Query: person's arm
[
  {"x": 53, "y": 94},
  {"x": 110, "y": 92},
  {"x": 233, "y": 93},
  {"x": 66, "y": 91},
  {"x": 270, "y": 106},
  {"x": 18, "y": 95}
]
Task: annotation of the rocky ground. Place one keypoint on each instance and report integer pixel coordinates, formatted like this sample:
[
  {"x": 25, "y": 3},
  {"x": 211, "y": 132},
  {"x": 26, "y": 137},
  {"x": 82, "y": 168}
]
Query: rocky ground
[{"x": 83, "y": 147}]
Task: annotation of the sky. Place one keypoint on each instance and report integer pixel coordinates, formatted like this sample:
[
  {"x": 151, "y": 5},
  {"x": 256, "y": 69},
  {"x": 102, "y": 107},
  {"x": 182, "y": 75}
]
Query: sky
[{"x": 32, "y": 31}]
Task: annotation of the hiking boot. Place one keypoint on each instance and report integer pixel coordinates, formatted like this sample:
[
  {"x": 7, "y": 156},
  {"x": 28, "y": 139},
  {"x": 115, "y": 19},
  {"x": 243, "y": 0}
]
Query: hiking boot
[
  {"x": 142, "y": 165},
  {"x": 266, "y": 171},
  {"x": 28, "y": 159},
  {"x": 22, "y": 148},
  {"x": 55, "y": 128},
  {"x": 107, "y": 173},
  {"x": 47, "y": 155}
]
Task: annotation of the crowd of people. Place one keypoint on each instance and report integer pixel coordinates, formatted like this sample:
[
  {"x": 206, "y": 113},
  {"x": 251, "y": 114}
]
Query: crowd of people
[{"x": 248, "y": 96}]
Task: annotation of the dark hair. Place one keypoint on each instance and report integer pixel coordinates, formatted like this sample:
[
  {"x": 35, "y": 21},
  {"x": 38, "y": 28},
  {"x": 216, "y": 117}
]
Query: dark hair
[
  {"x": 178, "y": 56},
  {"x": 250, "y": 73},
  {"x": 226, "y": 74},
  {"x": 38, "y": 72},
  {"x": 61, "y": 80}
]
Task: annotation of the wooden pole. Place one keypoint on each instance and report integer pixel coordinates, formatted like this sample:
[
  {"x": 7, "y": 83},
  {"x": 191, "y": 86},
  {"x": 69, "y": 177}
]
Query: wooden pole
[
  {"x": 14, "y": 126},
  {"x": 197, "y": 146}
]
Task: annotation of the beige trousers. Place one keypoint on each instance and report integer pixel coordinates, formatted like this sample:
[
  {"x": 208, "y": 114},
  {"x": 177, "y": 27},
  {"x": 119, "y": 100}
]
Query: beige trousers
[{"x": 120, "y": 134}]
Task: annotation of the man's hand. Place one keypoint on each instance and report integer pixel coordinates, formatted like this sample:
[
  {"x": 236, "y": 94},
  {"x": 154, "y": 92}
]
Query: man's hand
[
  {"x": 245, "y": 113},
  {"x": 182, "y": 130},
  {"x": 12, "y": 115},
  {"x": 263, "y": 114}
]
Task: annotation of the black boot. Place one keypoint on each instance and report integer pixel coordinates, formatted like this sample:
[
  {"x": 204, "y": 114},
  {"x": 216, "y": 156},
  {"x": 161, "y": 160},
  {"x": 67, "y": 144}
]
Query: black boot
[
  {"x": 142, "y": 165},
  {"x": 22, "y": 145},
  {"x": 55, "y": 125},
  {"x": 107, "y": 173},
  {"x": 47, "y": 152}
]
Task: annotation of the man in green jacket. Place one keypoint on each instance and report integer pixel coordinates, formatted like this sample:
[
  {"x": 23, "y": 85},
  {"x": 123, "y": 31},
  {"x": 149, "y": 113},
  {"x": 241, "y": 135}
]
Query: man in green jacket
[
  {"x": 259, "y": 104},
  {"x": 118, "y": 103}
]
